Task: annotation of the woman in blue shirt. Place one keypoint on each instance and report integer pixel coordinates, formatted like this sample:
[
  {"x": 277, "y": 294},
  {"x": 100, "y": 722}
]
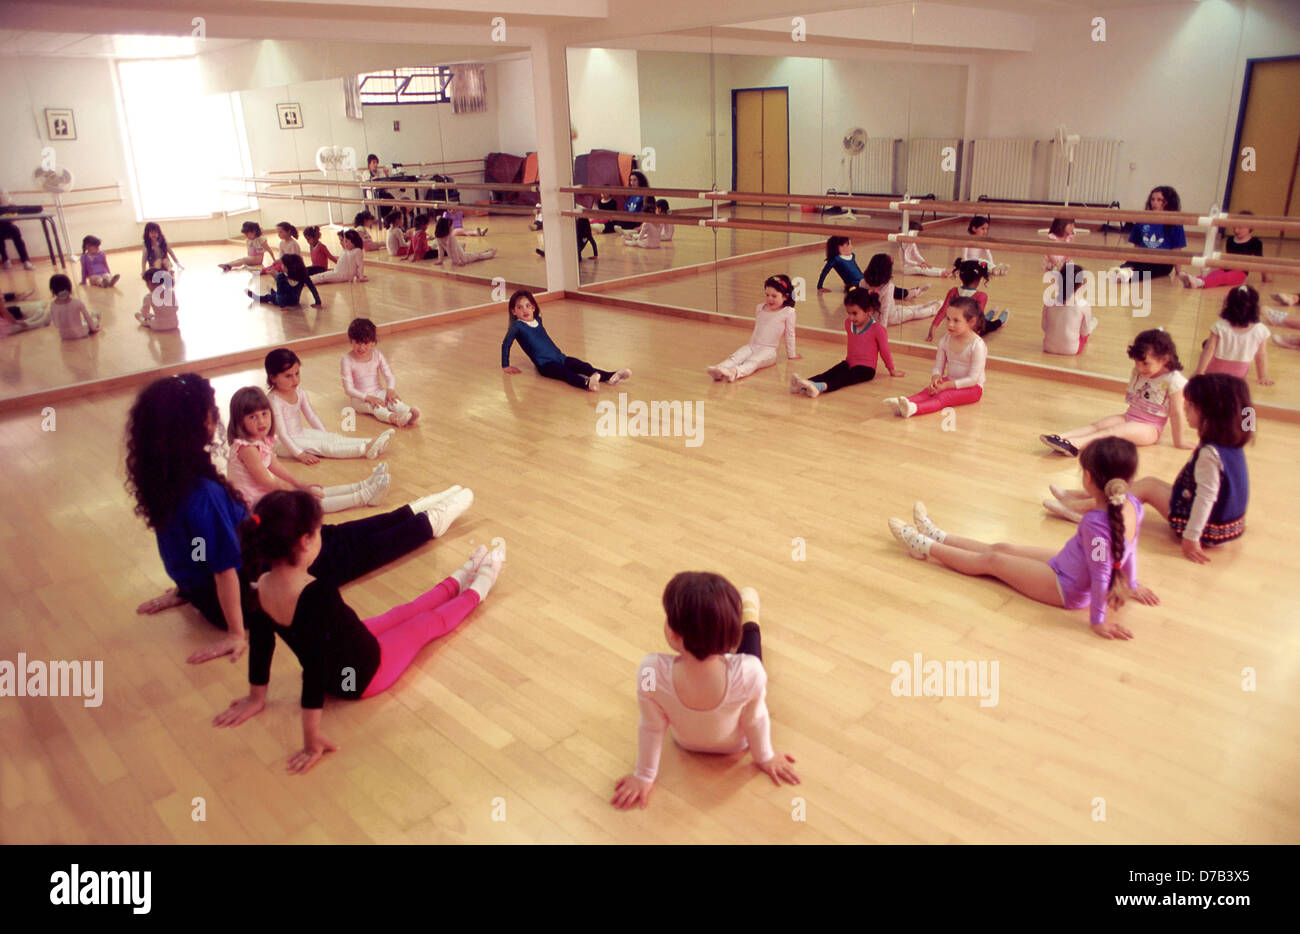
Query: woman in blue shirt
[
  {"x": 195, "y": 513},
  {"x": 1156, "y": 236}
]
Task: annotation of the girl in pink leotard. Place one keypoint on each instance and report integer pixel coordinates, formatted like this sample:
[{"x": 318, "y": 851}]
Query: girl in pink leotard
[
  {"x": 1097, "y": 568},
  {"x": 341, "y": 655},
  {"x": 958, "y": 374}
]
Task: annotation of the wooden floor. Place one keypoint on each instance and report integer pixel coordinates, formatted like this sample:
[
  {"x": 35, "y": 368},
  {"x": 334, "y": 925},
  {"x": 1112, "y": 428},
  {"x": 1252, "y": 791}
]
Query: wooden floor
[{"x": 531, "y": 703}]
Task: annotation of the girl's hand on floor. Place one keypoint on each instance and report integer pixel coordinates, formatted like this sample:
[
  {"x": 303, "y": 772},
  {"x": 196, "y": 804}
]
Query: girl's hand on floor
[
  {"x": 302, "y": 761},
  {"x": 1147, "y": 596},
  {"x": 513, "y": 370},
  {"x": 307, "y": 457},
  {"x": 1264, "y": 381},
  {"x": 797, "y": 356},
  {"x": 230, "y": 644},
  {"x": 1192, "y": 551},
  {"x": 240, "y": 709},
  {"x": 779, "y": 768},
  {"x": 1112, "y": 631},
  {"x": 630, "y": 791},
  {"x": 823, "y": 290},
  {"x": 898, "y": 373},
  {"x": 168, "y": 599}
]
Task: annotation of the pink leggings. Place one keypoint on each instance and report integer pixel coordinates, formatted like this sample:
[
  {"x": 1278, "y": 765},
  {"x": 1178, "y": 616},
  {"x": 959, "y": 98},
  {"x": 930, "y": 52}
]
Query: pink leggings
[
  {"x": 404, "y": 630},
  {"x": 1217, "y": 277},
  {"x": 926, "y": 403}
]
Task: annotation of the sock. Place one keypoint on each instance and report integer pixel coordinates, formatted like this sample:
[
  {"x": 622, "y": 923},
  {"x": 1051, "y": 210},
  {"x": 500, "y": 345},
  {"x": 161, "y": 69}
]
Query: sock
[
  {"x": 487, "y": 575},
  {"x": 466, "y": 572},
  {"x": 821, "y": 387}
]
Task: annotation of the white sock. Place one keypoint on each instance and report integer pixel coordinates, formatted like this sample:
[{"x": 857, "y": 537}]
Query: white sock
[
  {"x": 487, "y": 574},
  {"x": 465, "y": 573},
  {"x": 425, "y": 503}
]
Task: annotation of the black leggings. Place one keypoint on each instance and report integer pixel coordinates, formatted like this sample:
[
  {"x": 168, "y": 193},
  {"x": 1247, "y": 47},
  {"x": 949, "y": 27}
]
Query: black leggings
[
  {"x": 751, "y": 641},
  {"x": 347, "y": 551},
  {"x": 841, "y": 375},
  {"x": 9, "y": 231},
  {"x": 583, "y": 227},
  {"x": 312, "y": 270},
  {"x": 573, "y": 371},
  {"x": 1155, "y": 269}
]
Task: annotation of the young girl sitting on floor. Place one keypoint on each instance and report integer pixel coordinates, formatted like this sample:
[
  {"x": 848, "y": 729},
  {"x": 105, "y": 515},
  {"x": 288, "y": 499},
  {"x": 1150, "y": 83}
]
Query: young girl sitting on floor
[
  {"x": 328, "y": 637},
  {"x": 159, "y": 311},
  {"x": 352, "y": 264},
  {"x": 867, "y": 340},
  {"x": 1067, "y": 319},
  {"x": 840, "y": 257},
  {"x": 1237, "y": 338},
  {"x": 526, "y": 327},
  {"x": 171, "y": 432},
  {"x": 650, "y": 234},
  {"x": 365, "y": 226},
  {"x": 419, "y": 248},
  {"x": 361, "y": 368},
  {"x": 914, "y": 264},
  {"x": 257, "y": 248},
  {"x": 970, "y": 274},
  {"x": 1154, "y": 396},
  {"x": 254, "y": 470},
  {"x": 1206, "y": 506},
  {"x": 291, "y": 408},
  {"x": 879, "y": 279},
  {"x": 320, "y": 256},
  {"x": 1061, "y": 231},
  {"x": 1079, "y": 575},
  {"x": 289, "y": 285},
  {"x": 979, "y": 227},
  {"x": 396, "y": 240},
  {"x": 289, "y": 246},
  {"x": 449, "y": 245},
  {"x": 712, "y": 694},
  {"x": 958, "y": 374},
  {"x": 72, "y": 319},
  {"x": 772, "y": 319},
  {"x": 1243, "y": 242},
  {"x": 94, "y": 264},
  {"x": 19, "y": 315},
  {"x": 156, "y": 254}
]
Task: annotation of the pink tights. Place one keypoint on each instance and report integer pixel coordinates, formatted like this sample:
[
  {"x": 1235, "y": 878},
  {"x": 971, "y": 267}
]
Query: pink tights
[
  {"x": 404, "y": 630},
  {"x": 926, "y": 403},
  {"x": 1217, "y": 277}
]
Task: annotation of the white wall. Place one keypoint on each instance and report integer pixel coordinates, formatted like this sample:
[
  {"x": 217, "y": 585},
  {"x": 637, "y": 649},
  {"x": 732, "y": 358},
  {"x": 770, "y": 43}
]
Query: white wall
[
  {"x": 95, "y": 158},
  {"x": 604, "y": 100},
  {"x": 516, "y": 111},
  {"x": 674, "y": 94},
  {"x": 1167, "y": 81}
]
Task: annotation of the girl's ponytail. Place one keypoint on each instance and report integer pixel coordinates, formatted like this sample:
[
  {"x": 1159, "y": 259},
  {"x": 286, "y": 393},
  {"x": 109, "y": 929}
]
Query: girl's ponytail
[
  {"x": 1112, "y": 463},
  {"x": 279, "y": 521}
]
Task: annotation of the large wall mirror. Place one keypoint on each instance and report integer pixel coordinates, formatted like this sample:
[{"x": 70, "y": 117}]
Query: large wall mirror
[
  {"x": 898, "y": 98},
  {"x": 203, "y": 137}
]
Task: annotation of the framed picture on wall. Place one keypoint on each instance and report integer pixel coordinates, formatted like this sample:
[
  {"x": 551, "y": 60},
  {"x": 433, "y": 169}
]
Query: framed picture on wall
[
  {"x": 290, "y": 116},
  {"x": 59, "y": 123}
]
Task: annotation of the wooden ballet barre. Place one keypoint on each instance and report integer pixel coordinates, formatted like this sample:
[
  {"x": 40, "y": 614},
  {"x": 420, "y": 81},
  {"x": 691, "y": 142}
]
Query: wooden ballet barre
[
  {"x": 1253, "y": 222},
  {"x": 390, "y": 202},
  {"x": 855, "y": 201},
  {"x": 1077, "y": 212},
  {"x": 1237, "y": 261},
  {"x": 693, "y": 193},
  {"x": 386, "y": 183}
]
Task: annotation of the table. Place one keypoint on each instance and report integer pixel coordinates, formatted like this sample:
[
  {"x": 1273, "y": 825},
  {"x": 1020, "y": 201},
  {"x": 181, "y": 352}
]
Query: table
[{"x": 48, "y": 227}]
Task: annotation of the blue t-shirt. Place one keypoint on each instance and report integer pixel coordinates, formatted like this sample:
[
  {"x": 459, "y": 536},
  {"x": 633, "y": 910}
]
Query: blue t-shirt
[
  {"x": 202, "y": 539},
  {"x": 1157, "y": 237},
  {"x": 534, "y": 341},
  {"x": 289, "y": 293},
  {"x": 846, "y": 266}
]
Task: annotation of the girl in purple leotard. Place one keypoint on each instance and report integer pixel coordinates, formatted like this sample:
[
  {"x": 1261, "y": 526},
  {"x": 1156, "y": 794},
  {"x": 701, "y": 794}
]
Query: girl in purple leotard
[{"x": 1097, "y": 568}]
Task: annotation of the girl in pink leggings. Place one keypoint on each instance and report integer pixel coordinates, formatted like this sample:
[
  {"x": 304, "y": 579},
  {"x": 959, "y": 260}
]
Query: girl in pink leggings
[
  {"x": 958, "y": 374},
  {"x": 340, "y": 654},
  {"x": 1243, "y": 242}
]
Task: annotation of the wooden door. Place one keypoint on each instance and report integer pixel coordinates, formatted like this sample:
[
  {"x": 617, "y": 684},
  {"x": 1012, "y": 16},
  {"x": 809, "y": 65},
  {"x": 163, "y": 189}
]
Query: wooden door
[
  {"x": 761, "y": 134},
  {"x": 1270, "y": 124}
]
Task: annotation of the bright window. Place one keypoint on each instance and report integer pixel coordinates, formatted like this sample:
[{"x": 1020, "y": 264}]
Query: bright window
[
  {"x": 422, "y": 85},
  {"x": 181, "y": 141}
]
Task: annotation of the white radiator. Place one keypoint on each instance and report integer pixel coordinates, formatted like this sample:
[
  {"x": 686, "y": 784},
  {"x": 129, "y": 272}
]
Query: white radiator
[
  {"x": 875, "y": 169},
  {"x": 925, "y": 162},
  {"x": 1092, "y": 178},
  {"x": 1001, "y": 168}
]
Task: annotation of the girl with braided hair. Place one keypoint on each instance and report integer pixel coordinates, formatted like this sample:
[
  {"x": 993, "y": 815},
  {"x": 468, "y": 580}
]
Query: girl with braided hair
[{"x": 1097, "y": 568}]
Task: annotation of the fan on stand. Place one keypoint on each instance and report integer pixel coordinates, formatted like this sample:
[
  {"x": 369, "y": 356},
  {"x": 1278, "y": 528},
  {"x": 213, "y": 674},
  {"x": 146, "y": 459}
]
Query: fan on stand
[
  {"x": 56, "y": 182},
  {"x": 1068, "y": 143},
  {"x": 855, "y": 144}
]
